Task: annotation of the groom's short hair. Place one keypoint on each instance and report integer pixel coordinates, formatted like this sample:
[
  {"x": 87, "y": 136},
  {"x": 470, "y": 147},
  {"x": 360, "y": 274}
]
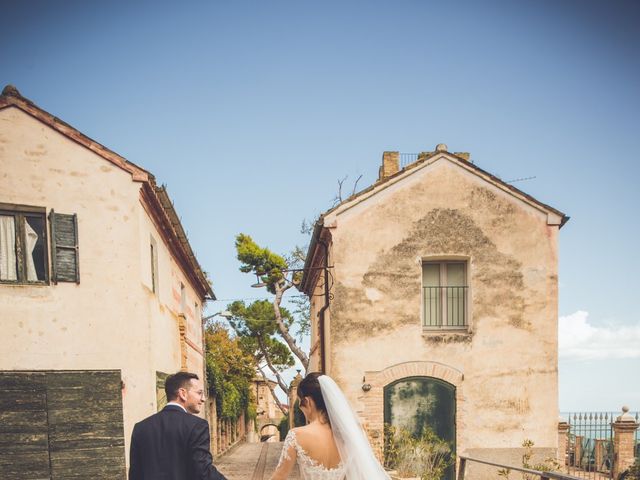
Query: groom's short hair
[{"x": 175, "y": 382}]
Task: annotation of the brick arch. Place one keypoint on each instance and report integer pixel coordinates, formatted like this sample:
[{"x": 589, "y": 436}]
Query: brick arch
[
  {"x": 372, "y": 401},
  {"x": 268, "y": 424},
  {"x": 437, "y": 370}
]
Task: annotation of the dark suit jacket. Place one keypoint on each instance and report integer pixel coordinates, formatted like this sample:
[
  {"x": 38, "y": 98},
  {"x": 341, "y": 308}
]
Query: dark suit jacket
[{"x": 171, "y": 445}]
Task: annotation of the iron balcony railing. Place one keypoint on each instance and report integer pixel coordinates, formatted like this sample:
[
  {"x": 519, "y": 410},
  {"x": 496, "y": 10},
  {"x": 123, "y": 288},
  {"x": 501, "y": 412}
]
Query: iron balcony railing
[
  {"x": 526, "y": 472},
  {"x": 445, "y": 307}
]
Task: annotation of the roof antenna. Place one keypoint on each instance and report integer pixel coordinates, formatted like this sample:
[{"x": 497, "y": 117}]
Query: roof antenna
[{"x": 520, "y": 179}]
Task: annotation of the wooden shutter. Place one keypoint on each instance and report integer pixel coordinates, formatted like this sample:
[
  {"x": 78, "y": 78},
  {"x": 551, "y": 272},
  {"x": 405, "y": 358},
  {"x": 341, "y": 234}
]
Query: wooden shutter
[{"x": 64, "y": 247}]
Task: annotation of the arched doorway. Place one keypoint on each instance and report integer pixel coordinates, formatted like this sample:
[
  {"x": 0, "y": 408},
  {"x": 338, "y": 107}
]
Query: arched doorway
[{"x": 413, "y": 403}]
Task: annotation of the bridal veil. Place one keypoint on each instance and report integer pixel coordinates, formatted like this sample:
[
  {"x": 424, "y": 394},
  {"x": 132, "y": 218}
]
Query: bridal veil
[{"x": 352, "y": 442}]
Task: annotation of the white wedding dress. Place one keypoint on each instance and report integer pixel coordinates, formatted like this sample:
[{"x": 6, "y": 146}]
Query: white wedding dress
[
  {"x": 357, "y": 459},
  {"x": 309, "y": 468}
]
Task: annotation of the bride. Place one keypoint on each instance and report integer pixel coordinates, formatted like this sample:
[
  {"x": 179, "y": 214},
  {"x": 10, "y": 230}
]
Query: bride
[{"x": 332, "y": 446}]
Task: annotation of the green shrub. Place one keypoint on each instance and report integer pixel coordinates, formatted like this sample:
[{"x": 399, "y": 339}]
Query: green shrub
[
  {"x": 230, "y": 371},
  {"x": 283, "y": 427},
  {"x": 426, "y": 456},
  {"x": 549, "y": 464},
  {"x": 633, "y": 472},
  {"x": 299, "y": 419}
]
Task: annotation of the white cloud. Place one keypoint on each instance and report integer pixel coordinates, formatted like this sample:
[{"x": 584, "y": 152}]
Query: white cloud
[{"x": 580, "y": 340}]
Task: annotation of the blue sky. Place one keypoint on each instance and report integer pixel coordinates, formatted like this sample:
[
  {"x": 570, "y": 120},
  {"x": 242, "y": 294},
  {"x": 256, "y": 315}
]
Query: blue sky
[{"x": 251, "y": 111}]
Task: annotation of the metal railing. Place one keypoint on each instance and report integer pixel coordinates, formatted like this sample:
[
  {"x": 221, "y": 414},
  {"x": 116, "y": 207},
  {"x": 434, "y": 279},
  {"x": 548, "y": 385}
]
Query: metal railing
[
  {"x": 407, "y": 159},
  {"x": 445, "y": 307},
  {"x": 637, "y": 438},
  {"x": 589, "y": 453},
  {"x": 543, "y": 475},
  {"x": 590, "y": 444}
]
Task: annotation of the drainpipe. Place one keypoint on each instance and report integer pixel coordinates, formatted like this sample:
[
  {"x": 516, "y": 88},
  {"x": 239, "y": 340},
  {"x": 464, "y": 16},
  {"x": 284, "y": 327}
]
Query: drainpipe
[{"x": 325, "y": 306}]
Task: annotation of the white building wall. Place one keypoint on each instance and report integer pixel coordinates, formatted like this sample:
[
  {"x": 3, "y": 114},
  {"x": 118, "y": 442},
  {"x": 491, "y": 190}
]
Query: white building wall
[{"x": 112, "y": 319}]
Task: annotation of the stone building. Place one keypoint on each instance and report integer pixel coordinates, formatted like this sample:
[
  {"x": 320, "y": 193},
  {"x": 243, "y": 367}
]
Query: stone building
[
  {"x": 268, "y": 415},
  {"x": 439, "y": 305},
  {"x": 100, "y": 298}
]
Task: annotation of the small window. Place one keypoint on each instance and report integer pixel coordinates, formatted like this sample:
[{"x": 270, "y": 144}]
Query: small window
[
  {"x": 23, "y": 244},
  {"x": 445, "y": 295},
  {"x": 153, "y": 250},
  {"x": 183, "y": 299}
]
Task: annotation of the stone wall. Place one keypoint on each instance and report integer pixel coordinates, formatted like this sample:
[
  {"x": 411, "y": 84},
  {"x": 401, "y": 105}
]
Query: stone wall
[{"x": 504, "y": 365}]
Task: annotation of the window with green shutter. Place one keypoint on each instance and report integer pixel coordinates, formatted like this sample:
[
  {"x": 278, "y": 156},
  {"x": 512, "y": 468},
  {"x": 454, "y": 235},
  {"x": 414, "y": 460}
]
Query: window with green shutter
[{"x": 64, "y": 247}]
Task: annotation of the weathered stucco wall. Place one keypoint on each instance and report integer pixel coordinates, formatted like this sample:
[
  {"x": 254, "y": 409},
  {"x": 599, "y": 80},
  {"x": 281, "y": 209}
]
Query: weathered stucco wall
[
  {"x": 508, "y": 357},
  {"x": 111, "y": 319},
  {"x": 165, "y": 305}
]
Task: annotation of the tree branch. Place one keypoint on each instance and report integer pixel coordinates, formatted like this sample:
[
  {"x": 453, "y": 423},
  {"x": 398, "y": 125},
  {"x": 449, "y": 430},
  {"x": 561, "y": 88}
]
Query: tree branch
[
  {"x": 272, "y": 390},
  {"x": 338, "y": 198},
  {"x": 267, "y": 358},
  {"x": 355, "y": 185},
  {"x": 284, "y": 331}
]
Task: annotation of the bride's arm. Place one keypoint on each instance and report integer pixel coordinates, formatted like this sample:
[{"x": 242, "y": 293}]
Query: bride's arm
[{"x": 287, "y": 458}]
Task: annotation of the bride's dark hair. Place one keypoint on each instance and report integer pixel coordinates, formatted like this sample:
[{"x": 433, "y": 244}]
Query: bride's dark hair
[{"x": 310, "y": 387}]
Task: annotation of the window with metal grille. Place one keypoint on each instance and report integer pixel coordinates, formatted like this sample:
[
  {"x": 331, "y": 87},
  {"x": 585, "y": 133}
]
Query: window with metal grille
[{"x": 445, "y": 294}]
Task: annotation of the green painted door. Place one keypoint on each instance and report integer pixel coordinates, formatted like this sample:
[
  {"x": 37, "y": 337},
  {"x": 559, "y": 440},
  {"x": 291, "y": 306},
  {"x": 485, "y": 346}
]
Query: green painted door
[{"x": 414, "y": 403}]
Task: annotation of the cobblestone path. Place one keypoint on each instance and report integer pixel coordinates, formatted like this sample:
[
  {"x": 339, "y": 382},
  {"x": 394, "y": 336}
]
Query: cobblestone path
[{"x": 252, "y": 461}]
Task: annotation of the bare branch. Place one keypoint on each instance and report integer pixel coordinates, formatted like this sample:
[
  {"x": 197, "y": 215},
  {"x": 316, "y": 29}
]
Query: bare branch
[
  {"x": 308, "y": 225},
  {"x": 267, "y": 359},
  {"x": 338, "y": 198},
  {"x": 340, "y": 182},
  {"x": 272, "y": 390},
  {"x": 284, "y": 330},
  {"x": 355, "y": 185}
]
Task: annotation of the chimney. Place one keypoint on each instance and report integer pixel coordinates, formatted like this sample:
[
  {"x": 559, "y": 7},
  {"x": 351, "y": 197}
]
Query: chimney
[
  {"x": 390, "y": 164},
  {"x": 10, "y": 91},
  {"x": 464, "y": 155}
]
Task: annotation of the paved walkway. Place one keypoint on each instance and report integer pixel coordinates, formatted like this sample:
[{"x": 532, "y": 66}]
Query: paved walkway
[{"x": 252, "y": 461}]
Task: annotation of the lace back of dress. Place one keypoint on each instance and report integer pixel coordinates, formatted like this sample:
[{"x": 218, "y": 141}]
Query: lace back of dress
[{"x": 310, "y": 469}]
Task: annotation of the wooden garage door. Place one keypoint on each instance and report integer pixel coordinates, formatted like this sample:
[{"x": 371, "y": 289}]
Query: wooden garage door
[
  {"x": 61, "y": 425},
  {"x": 24, "y": 446}
]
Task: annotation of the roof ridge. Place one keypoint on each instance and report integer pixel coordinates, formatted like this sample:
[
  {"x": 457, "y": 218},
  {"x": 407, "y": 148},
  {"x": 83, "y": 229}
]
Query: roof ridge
[{"x": 11, "y": 96}]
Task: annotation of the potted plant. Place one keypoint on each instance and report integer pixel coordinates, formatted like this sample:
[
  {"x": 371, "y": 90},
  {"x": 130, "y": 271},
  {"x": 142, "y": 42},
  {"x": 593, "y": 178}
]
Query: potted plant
[{"x": 423, "y": 457}]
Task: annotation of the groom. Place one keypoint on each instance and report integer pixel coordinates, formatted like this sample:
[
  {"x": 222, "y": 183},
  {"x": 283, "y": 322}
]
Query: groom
[{"x": 173, "y": 444}]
